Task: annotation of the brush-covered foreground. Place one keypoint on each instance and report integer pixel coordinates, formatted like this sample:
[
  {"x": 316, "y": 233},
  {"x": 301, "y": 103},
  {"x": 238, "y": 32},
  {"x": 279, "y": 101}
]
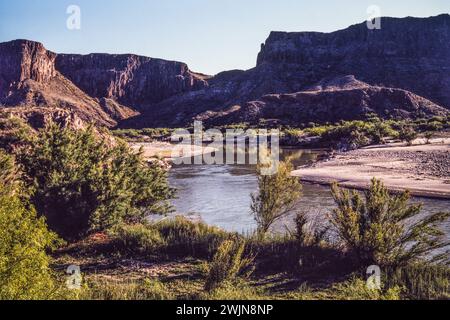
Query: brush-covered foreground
[{"x": 173, "y": 259}]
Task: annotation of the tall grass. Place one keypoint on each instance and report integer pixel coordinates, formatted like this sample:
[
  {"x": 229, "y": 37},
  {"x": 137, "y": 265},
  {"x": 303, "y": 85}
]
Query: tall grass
[
  {"x": 421, "y": 281},
  {"x": 176, "y": 237},
  {"x": 128, "y": 290}
]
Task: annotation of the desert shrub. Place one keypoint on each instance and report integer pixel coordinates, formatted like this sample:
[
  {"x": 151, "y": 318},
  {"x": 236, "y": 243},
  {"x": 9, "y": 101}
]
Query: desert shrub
[
  {"x": 24, "y": 240},
  {"x": 347, "y": 135},
  {"x": 126, "y": 134},
  {"x": 407, "y": 134},
  {"x": 227, "y": 263},
  {"x": 317, "y": 131},
  {"x": 13, "y": 132},
  {"x": 138, "y": 238},
  {"x": 277, "y": 196},
  {"x": 379, "y": 130},
  {"x": 428, "y": 136},
  {"x": 126, "y": 290},
  {"x": 375, "y": 227},
  {"x": 186, "y": 238},
  {"x": 432, "y": 125},
  {"x": 309, "y": 233},
  {"x": 421, "y": 281},
  {"x": 83, "y": 185}
]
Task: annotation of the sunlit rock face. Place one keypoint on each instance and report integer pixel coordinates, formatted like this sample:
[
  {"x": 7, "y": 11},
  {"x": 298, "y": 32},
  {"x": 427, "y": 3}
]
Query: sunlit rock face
[
  {"x": 21, "y": 60},
  {"x": 32, "y": 88}
]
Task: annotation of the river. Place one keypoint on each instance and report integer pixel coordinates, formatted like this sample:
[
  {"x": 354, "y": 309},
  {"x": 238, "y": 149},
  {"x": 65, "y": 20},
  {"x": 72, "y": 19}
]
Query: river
[{"x": 220, "y": 194}]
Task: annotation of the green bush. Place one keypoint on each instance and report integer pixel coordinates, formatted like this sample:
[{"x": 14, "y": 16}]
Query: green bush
[
  {"x": 24, "y": 240},
  {"x": 375, "y": 227},
  {"x": 407, "y": 134},
  {"x": 309, "y": 233},
  {"x": 176, "y": 237},
  {"x": 13, "y": 132},
  {"x": 83, "y": 185},
  {"x": 277, "y": 196}
]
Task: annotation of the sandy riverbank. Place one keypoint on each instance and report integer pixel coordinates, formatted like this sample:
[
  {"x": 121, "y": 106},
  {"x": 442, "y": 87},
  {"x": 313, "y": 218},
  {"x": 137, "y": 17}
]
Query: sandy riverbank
[
  {"x": 424, "y": 169},
  {"x": 166, "y": 151}
]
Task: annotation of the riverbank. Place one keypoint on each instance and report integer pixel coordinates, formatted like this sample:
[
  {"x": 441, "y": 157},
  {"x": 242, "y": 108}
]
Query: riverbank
[
  {"x": 166, "y": 151},
  {"x": 424, "y": 169}
]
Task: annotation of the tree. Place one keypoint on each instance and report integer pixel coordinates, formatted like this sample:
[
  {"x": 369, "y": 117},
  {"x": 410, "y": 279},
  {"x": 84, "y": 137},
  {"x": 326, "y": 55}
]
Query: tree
[
  {"x": 81, "y": 184},
  {"x": 277, "y": 196},
  {"x": 428, "y": 136},
  {"x": 378, "y": 227},
  {"x": 24, "y": 240},
  {"x": 407, "y": 134}
]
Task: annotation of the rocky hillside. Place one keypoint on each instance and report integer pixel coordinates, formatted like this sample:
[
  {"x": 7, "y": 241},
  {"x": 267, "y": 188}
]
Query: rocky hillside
[
  {"x": 343, "y": 98},
  {"x": 36, "y": 84}
]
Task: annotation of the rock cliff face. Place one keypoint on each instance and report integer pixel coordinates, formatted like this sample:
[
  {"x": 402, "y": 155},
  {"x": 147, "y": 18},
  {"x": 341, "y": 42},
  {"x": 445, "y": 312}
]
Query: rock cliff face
[
  {"x": 408, "y": 53},
  {"x": 24, "y": 60},
  {"x": 129, "y": 79}
]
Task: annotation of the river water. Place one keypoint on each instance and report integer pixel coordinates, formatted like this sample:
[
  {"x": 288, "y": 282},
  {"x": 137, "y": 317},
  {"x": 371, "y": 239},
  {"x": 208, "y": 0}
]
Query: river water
[{"x": 220, "y": 194}]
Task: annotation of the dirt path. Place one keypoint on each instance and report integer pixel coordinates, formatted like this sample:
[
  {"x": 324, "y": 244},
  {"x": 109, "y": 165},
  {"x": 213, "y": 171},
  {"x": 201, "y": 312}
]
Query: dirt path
[{"x": 424, "y": 169}]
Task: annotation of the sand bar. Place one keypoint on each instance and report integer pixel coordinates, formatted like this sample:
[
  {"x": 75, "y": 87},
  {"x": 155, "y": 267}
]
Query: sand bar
[{"x": 422, "y": 168}]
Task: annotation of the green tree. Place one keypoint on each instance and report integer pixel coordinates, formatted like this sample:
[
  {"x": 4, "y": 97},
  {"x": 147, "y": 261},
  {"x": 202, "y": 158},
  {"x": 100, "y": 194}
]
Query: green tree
[
  {"x": 24, "y": 240},
  {"x": 379, "y": 226},
  {"x": 81, "y": 184},
  {"x": 407, "y": 134},
  {"x": 277, "y": 196},
  {"x": 428, "y": 136}
]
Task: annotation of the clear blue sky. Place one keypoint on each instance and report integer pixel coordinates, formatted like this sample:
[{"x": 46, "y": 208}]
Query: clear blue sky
[{"x": 209, "y": 35}]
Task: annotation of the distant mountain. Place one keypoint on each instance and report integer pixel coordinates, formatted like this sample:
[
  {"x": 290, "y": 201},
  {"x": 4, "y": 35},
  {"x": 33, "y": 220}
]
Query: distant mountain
[
  {"x": 401, "y": 70},
  {"x": 411, "y": 54}
]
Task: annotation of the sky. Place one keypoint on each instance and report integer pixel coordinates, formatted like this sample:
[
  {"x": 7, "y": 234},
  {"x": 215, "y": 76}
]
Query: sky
[{"x": 209, "y": 35}]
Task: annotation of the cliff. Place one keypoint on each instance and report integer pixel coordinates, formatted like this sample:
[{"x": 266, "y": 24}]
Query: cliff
[
  {"x": 129, "y": 79},
  {"x": 28, "y": 78},
  {"x": 407, "y": 53}
]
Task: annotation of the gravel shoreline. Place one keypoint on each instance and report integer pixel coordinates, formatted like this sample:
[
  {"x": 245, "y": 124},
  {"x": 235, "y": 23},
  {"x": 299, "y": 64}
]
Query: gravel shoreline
[{"x": 424, "y": 169}]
